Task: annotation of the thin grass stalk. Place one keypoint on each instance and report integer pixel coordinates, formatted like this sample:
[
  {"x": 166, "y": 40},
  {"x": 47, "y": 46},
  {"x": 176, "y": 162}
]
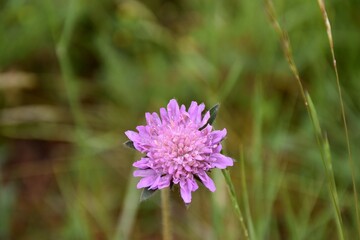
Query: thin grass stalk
[
  {"x": 235, "y": 203},
  {"x": 326, "y": 156},
  {"x": 335, "y": 198},
  {"x": 165, "y": 210},
  {"x": 286, "y": 47},
  {"x": 217, "y": 207},
  {"x": 343, "y": 115},
  {"x": 310, "y": 109},
  {"x": 246, "y": 196}
]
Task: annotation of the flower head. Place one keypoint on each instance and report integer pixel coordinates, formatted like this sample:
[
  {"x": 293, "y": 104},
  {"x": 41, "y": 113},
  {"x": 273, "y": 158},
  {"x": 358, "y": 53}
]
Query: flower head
[{"x": 180, "y": 146}]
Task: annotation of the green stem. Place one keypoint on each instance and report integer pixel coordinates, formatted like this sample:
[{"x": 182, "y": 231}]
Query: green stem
[
  {"x": 235, "y": 202},
  {"x": 343, "y": 115},
  {"x": 311, "y": 111},
  {"x": 165, "y": 207},
  {"x": 246, "y": 197}
]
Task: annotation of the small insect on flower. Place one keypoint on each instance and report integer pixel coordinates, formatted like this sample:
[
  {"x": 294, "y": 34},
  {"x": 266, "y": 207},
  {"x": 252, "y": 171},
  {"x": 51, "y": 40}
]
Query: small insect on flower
[{"x": 180, "y": 147}]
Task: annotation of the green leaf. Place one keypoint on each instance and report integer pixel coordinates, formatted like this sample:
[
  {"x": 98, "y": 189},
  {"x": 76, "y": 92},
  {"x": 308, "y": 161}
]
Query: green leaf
[
  {"x": 129, "y": 144},
  {"x": 213, "y": 112},
  {"x": 146, "y": 194}
]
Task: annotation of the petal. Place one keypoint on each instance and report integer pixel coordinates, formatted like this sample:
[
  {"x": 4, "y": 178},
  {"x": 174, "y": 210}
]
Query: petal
[
  {"x": 221, "y": 161},
  {"x": 142, "y": 163},
  {"x": 217, "y": 149},
  {"x": 207, "y": 130},
  {"x": 217, "y": 136},
  {"x": 182, "y": 108},
  {"x": 133, "y": 136},
  {"x": 156, "y": 183},
  {"x": 199, "y": 111},
  {"x": 164, "y": 115},
  {"x": 193, "y": 184},
  {"x": 173, "y": 109},
  {"x": 149, "y": 118},
  {"x": 193, "y": 111},
  {"x": 156, "y": 118},
  {"x": 137, "y": 140},
  {"x": 147, "y": 181},
  {"x": 184, "y": 114},
  {"x": 143, "y": 132},
  {"x": 164, "y": 182},
  {"x": 171, "y": 169},
  {"x": 144, "y": 172},
  {"x": 185, "y": 191},
  {"x": 152, "y": 119},
  {"x": 205, "y": 118},
  {"x": 188, "y": 168},
  {"x": 206, "y": 150},
  {"x": 207, "y": 181}
]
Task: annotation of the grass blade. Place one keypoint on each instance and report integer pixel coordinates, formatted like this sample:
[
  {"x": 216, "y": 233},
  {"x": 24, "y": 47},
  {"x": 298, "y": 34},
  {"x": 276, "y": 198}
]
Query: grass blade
[
  {"x": 326, "y": 157},
  {"x": 324, "y": 150},
  {"x": 235, "y": 202},
  {"x": 246, "y": 197},
  {"x": 343, "y": 115}
]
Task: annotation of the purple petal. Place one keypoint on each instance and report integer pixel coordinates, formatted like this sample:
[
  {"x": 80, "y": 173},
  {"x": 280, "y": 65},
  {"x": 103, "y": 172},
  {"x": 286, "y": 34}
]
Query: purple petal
[
  {"x": 156, "y": 119},
  {"x": 199, "y": 111},
  {"x": 173, "y": 109},
  {"x": 194, "y": 185},
  {"x": 207, "y": 181},
  {"x": 149, "y": 118},
  {"x": 188, "y": 168},
  {"x": 185, "y": 191},
  {"x": 171, "y": 169},
  {"x": 221, "y": 161},
  {"x": 156, "y": 183},
  {"x": 164, "y": 182},
  {"x": 152, "y": 119},
  {"x": 143, "y": 131},
  {"x": 186, "y": 187},
  {"x": 193, "y": 111},
  {"x": 217, "y": 136},
  {"x": 144, "y": 172},
  {"x": 217, "y": 149},
  {"x": 205, "y": 118},
  {"x": 133, "y": 136},
  {"x": 164, "y": 115},
  {"x": 147, "y": 181},
  {"x": 206, "y": 150},
  {"x": 184, "y": 114},
  {"x": 207, "y": 130},
  {"x": 142, "y": 163},
  {"x": 182, "y": 108}
]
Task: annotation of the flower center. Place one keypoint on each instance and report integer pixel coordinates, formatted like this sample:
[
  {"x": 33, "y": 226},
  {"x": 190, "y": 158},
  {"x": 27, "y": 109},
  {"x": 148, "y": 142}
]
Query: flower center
[{"x": 180, "y": 151}]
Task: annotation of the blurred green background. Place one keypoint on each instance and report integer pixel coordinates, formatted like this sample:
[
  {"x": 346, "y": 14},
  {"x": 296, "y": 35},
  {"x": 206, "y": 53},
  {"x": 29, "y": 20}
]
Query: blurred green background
[{"x": 75, "y": 74}]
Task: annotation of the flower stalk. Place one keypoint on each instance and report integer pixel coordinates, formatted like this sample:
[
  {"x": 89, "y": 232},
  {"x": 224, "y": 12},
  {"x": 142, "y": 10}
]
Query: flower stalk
[{"x": 166, "y": 220}]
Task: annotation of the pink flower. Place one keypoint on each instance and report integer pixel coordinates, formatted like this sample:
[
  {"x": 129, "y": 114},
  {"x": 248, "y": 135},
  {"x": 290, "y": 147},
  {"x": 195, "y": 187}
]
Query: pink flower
[{"x": 180, "y": 146}]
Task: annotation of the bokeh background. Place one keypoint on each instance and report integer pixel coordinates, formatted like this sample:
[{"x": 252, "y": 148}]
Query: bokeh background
[{"x": 75, "y": 74}]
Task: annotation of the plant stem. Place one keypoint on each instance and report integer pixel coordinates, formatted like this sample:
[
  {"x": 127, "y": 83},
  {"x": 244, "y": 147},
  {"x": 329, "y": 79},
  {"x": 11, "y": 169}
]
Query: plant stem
[
  {"x": 165, "y": 208},
  {"x": 321, "y": 141},
  {"x": 246, "y": 197},
  {"x": 350, "y": 159},
  {"x": 235, "y": 202}
]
